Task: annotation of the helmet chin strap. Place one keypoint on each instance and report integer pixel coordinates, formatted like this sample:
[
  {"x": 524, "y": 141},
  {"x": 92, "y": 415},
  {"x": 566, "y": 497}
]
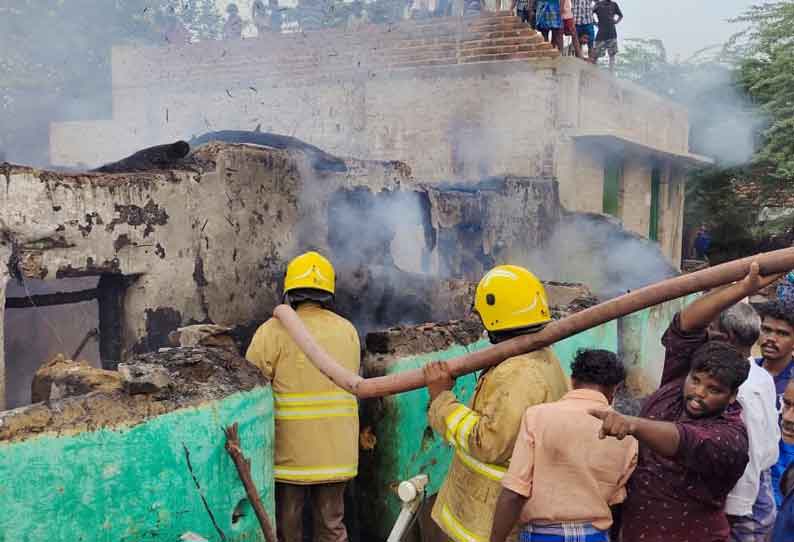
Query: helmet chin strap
[
  {"x": 303, "y": 295},
  {"x": 498, "y": 336}
]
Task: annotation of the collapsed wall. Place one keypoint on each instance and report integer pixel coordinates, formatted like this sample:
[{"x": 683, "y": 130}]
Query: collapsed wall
[
  {"x": 141, "y": 455},
  {"x": 208, "y": 241}
]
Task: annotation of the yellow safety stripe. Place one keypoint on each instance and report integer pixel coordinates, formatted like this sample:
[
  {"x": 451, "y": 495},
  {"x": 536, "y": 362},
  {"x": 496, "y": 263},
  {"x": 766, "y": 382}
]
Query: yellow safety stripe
[
  {"x": 313, "y": 399},
  {"x": 315, "y": 406},
  {"x": 460, "y": 423},
  {"x": 310, "y": 474},
  {"x": 456, "y": 530},
  {"x": 316, "y": 413},
  {"x": 452, "y": 421},
  {"x": 490, "y": 471},
  {"x": 464, "y": 430}
]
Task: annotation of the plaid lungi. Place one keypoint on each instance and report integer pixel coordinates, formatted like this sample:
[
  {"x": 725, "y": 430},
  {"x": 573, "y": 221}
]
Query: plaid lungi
[
  {"x": 563, "y": 532},
  {"x": 547, "y": 14}
]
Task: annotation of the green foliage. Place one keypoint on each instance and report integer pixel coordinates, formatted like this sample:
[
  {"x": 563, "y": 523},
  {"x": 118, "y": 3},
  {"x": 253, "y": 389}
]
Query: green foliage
[
  {"x": 738, "y": 96},
  {"x": 765, "y": 55}
]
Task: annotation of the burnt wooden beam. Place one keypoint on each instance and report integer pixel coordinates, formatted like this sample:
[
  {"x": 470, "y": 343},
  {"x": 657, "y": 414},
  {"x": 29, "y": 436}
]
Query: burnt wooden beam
[
  {"x": 111, "y": 317},
  {"x": 48, "y": 300}
]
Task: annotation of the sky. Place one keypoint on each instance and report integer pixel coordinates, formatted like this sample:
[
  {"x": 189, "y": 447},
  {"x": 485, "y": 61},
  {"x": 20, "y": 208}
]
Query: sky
[{"x": 685, "y": 26}]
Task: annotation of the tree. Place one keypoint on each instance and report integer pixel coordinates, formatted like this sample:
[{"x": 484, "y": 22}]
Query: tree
[
  {"x": 741, "y": 112},
  {"x": 765, "y": 55}
]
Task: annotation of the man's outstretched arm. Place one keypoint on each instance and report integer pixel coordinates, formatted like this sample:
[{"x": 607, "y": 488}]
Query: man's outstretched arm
[
  {"x": 661, "y": 437},
  {"x": 704, "y": 310}
]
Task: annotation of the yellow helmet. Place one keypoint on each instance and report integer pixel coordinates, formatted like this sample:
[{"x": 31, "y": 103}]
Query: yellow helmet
[
  {"x": 310, "y": 270},
  {"x": 510, "y": 297}
]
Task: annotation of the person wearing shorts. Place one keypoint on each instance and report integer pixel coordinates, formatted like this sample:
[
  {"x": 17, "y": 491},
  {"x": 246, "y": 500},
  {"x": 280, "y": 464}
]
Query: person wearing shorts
[
  {"x": 609, "y": 15},
  {"x": 585, "y": 24},
  {"x": 548, "y": 21},
  {"x": 568, "y": 26},
  {"x": 525, "y": 9}
]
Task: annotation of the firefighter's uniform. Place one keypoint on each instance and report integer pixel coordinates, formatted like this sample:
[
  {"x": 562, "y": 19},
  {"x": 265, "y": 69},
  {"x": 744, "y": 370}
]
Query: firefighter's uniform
[
  {"x": 316, "y": 445},
  {"x": 483, "y": 435}
]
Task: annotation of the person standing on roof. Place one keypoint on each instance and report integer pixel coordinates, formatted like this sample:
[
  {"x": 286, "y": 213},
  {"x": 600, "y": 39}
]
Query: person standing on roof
[
  {"x": 548, "y": 21},
  {"x": 316, "y": 446},
  {"x": 260, "y": 18},
  {"x": 585, "y": 23},
  {"x": 510, "y": 301},
  {"x": 233, "y": 27},
  {"x": 693, "y": 442},
  {"x": 609, "y": 15}
]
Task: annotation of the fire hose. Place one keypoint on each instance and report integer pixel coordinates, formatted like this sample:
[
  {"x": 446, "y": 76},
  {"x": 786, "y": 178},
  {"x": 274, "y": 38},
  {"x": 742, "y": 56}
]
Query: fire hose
[{"x": 778, "y": 261}]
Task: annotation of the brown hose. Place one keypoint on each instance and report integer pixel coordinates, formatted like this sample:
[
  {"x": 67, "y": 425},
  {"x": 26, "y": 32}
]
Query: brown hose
[{"x": 777, "y": 261}]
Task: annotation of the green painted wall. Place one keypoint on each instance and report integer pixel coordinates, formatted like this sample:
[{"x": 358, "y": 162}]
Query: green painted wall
[
  {"x": 133, "y": 483},
  {"x": 641, "y": 335},
  {"x": 604, "y": 336}
]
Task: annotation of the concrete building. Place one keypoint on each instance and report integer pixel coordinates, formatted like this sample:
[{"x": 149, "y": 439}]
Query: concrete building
[{"x": 456, "y": 98}]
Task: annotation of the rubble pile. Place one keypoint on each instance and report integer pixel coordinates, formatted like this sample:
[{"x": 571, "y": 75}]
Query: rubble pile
[{"x": 77, "y": 397}]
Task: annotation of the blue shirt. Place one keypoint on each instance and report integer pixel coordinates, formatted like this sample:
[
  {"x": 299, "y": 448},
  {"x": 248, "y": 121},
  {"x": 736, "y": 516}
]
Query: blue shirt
[
  {"x": 781, "y": 379},
  {"x": 785, "y": 459},
  {"x": 784, "y": 526}
]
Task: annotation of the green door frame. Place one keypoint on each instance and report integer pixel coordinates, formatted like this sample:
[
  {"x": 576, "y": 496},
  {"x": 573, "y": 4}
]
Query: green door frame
[
  {"x": 656, "y": 184},
  {"x": 613, "y": 173}
]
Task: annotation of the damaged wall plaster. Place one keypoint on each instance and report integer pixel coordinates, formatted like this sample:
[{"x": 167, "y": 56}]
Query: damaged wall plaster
[{"x": 208, "y": 243}]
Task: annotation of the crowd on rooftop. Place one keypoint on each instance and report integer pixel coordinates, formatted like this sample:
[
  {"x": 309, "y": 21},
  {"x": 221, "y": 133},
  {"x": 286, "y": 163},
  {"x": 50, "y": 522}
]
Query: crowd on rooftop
[{"x": 589, "y": 24}]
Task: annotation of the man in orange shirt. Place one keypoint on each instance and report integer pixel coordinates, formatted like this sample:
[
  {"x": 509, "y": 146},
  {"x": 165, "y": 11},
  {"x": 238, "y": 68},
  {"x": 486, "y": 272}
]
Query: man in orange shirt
[{"x": 562, "y": 478}]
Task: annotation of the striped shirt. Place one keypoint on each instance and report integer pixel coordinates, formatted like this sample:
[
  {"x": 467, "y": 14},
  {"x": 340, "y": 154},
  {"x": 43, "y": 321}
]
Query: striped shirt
[{"x": 583, "y": 12}]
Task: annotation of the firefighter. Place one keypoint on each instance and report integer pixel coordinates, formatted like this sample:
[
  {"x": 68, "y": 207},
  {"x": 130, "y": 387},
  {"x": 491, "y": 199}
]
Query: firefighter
[
  {"x": 510, "y": 301},
  {"x": 316, "y": 446}
]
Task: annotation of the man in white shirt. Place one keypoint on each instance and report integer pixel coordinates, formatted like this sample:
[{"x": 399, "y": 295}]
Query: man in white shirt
[{"x": 750, "y": 505}]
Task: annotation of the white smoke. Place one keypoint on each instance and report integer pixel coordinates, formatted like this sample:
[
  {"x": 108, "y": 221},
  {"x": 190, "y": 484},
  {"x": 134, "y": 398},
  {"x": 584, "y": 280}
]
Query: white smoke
[{"x": 598, "y": 252}]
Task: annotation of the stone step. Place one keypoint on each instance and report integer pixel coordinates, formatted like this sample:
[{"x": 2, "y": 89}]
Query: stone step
[
  {"x": 522, "y": 32},
  {"x": 511, "y": 21},
  {"x": 473, "y": 44},
  {"x": 526, "y": 55},
  {"x": 504, "y": 49}
]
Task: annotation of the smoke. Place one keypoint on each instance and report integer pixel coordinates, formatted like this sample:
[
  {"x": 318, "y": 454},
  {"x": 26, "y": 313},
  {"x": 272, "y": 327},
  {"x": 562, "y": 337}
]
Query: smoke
[
  {"x": 596, "y": 251},
  {"x": 724, "y": 123},
  {"x": 380, "y": 243}
]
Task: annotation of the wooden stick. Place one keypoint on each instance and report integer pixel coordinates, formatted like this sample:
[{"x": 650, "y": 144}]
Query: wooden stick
[
  {"x": 777, "y": 261},
  {"x": 92, "y": 333},
  {"x": 244, "y": 470}
]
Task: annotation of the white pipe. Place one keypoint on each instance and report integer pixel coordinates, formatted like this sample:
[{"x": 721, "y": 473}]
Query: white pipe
[{"x": 411, "y": 492}]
